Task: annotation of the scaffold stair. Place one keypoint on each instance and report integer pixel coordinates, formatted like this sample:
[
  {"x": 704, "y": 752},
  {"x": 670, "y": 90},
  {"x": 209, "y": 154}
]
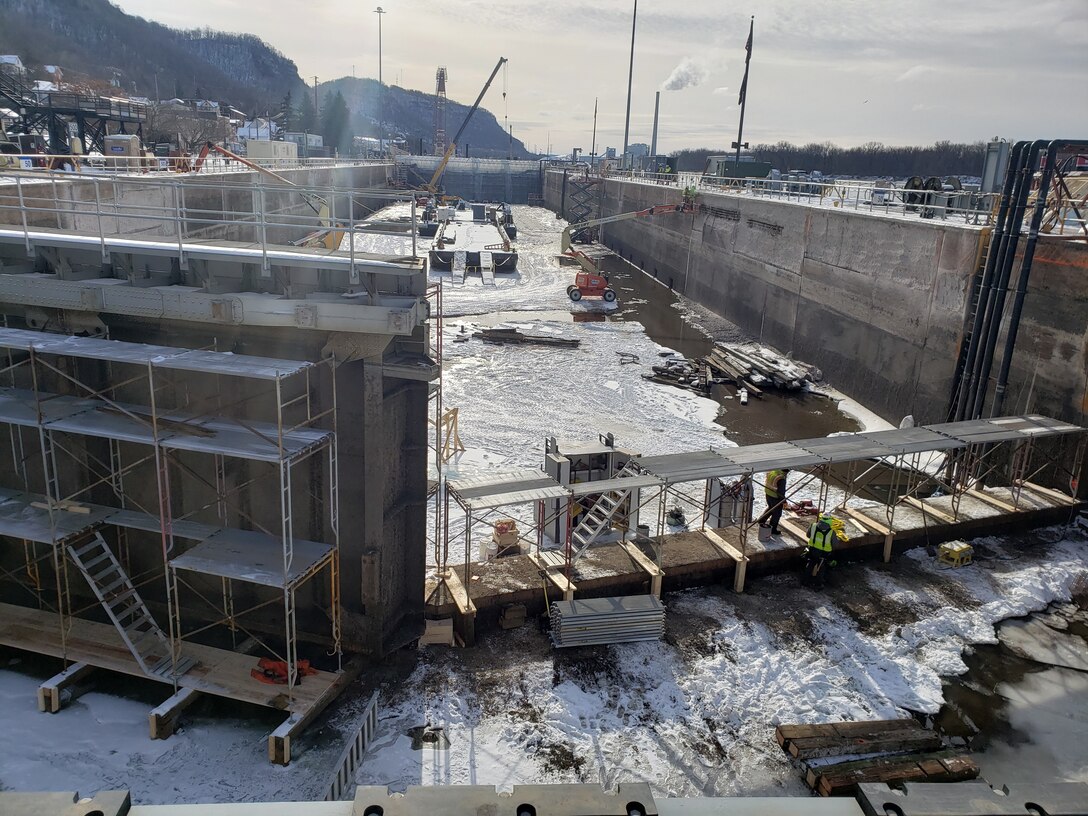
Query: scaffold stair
[
  {"x": 125, "y": 608},
  {"x": 598, "y": 519}
]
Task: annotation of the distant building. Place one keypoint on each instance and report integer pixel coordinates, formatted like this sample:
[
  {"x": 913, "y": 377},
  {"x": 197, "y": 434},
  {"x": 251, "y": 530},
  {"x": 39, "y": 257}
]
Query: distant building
[
  {"x": 610, "y": 152},
  {"x": 638, "y": 149},
  {"x": 305, "y": 140},
  {"x": 11, "y": 65},
  {"x": 257, "y": 129}
]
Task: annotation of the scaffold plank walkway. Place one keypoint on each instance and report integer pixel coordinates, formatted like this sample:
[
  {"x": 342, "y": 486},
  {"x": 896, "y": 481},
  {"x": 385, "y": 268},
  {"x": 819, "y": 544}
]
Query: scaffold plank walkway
[{"x": 220, "y": 672}]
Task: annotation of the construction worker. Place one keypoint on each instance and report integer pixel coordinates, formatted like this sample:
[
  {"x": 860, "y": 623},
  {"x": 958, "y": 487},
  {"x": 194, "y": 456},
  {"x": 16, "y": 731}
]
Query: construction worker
[
  {"x": 821, "y": 543},
  {"x": 774, "y": 490}
]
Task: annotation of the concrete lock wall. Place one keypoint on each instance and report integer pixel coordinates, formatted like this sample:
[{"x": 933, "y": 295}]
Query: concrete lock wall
[
  {"x": 512, "y": 181},
  {"x": 381, "y": 425},
  {"x": 876, "y": 302}
]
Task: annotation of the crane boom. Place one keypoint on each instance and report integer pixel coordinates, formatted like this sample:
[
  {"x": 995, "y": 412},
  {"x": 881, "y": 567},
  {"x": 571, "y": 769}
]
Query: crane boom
[
  {"x": 433, "y": 186},
  {"x": 655, "y": 210}
]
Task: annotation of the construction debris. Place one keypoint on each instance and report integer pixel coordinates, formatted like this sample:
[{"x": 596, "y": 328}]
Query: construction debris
[
  {"x": 515, "y": 336},
  {"x": 752, "y": 369},
  {"x": 837, "y": 757},
  {"x": 758, "y": 368}
]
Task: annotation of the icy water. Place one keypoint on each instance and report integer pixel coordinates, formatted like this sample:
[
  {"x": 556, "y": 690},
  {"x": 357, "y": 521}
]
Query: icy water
[
  {"x": 1022, "y": 705},
  {"x": 773, "y": 418}
]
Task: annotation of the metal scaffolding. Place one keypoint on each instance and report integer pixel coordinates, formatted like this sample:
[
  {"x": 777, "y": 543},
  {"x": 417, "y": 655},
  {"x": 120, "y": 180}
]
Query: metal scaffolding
[
  {"x": 180, "y": 433},
  {"x": 964, "y": 459}
]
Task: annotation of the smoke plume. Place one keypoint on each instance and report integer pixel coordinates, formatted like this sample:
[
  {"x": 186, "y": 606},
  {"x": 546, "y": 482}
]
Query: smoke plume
[{"x": 687, "y": 74}]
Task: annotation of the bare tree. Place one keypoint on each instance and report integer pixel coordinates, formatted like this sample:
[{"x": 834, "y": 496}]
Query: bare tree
[{"x": 187, "y": 128}]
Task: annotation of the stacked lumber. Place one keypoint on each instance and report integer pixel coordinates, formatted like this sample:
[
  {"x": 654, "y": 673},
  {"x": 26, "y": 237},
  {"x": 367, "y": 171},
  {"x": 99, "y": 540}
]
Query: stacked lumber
[
  {"x": 757, "y": 368},
  {"x": 515, "y": 336},
  {"x": 837, "y": 757}
]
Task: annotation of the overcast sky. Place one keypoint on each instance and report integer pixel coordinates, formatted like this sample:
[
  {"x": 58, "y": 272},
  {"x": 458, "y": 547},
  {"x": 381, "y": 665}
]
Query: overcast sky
[{"x": 847, "y": 71}]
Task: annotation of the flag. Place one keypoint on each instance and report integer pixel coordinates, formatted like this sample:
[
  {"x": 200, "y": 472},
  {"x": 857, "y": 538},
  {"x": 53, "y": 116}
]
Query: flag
[{"x": 747, "y": 59}]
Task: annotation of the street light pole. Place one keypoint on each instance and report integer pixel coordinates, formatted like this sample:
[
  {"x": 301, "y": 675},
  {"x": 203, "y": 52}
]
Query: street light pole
[{"x": 381, "y": 87}]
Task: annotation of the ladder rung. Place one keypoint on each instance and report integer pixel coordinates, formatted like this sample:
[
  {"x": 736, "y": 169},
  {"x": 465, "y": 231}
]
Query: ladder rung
[
  {"x": 113, "y": 603},
  {"x": 98, "y": 577},
  {"x": 95, "y": 543},
  {"x": 145, "y": 617},
  {"x": 119, "y": 582},
  {"x": 96, "y": 561},
  {"x": 127, "y": 612}
]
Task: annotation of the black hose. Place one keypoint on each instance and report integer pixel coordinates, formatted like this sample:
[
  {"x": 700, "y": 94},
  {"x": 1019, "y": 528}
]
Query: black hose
[
  {"x": 980, "y": 382},
  {"x": 1025, "y": 272},
  {"x": 962, "y": 386}
]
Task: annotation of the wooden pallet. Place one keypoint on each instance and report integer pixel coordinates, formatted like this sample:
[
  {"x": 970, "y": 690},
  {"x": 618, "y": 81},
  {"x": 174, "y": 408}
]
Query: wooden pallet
[
  {"x": 839, "y": 739},
  {"x": 842, "y": 779}
]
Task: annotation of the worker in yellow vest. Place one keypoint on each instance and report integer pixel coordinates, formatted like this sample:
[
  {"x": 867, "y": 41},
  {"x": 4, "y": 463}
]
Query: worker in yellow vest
[
  {"x": 821, "y": 544},
  {"x": 774, "y": 490}
]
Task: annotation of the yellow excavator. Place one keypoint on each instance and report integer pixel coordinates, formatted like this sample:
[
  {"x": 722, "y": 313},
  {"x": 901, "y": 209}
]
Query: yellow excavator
[{"x": 432, "y": 186}]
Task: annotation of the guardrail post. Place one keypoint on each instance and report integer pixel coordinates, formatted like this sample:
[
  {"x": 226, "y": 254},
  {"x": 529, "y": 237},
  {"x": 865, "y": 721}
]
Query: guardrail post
[
  {"x": 183, "y": 262},
  {"x": 22, "y": 210},
  {"x": 353, "y": 273},
  {"x": 266, "y": 269},
  {"x": 98, "y": 216}
]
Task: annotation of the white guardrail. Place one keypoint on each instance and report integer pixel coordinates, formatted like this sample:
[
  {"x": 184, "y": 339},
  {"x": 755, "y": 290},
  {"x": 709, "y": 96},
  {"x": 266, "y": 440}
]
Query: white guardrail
[
  {"x": 1066, "y": 216},
  {"x": 113, "y": 165},
  {"x": 166, "y": 206}
]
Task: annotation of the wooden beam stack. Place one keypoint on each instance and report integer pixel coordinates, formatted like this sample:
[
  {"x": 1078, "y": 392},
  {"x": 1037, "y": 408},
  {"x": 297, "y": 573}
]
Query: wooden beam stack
[{"x": 836, "y": 757}]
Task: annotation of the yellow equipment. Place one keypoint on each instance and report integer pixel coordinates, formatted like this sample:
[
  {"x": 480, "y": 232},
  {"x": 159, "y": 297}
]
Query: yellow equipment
[
  {"x": 433, "y": 185},
  {"x": 955, "y": 553}
]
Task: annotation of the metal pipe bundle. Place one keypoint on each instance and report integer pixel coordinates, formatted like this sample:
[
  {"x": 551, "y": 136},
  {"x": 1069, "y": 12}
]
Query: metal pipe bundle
[{"x": 597, "y": 621}]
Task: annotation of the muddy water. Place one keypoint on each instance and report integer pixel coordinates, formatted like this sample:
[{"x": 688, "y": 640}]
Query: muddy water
[
  {"x": 773, "y": 418},
  {"x": 1023, "y": 718}
]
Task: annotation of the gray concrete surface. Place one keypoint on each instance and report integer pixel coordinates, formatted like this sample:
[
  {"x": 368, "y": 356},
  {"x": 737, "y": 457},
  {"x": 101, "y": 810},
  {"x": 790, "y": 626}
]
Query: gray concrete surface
[{"x": 877, "y": 303}]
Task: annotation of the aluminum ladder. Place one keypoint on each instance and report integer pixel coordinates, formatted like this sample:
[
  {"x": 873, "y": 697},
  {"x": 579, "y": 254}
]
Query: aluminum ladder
[
  {"x": 114, "y": 589},
  {"x": 460, "y": 261},
  {"x": 487, "y": 267},
  {"x": 598, "y": 520}
]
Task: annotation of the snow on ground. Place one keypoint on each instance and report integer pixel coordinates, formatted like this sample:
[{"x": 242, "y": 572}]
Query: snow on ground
[
  {"x": 695, "y": 713},
  {"x": 513, "y": 396}
]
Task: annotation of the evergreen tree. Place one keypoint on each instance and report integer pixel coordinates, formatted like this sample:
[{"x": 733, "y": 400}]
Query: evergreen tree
[
  {"x": 305, "y": 117},
  {"x": 287, "y": 113},
  {"x": 334, "y": 123}
]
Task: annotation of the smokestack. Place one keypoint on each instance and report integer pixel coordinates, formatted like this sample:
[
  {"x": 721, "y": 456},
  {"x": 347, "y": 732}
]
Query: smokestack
[{"x": 653, "y": 139}]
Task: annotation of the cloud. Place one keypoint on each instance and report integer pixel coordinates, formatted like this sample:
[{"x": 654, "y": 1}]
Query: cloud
[
  {"x": 724, "y": 89},
  {"x": 917, "y": 72},
  {"x": 687, "y": 74}
]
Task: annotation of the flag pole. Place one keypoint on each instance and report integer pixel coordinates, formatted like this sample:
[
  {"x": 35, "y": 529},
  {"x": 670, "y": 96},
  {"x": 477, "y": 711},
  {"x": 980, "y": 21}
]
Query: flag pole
[{"x": 744, "y": 93}]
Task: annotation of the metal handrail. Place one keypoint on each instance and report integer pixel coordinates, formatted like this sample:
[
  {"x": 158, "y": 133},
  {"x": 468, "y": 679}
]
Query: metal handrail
[
  {"x": 176, "y": 220},
  {"x": 182, "y": 165},
  {"x": 878, "y": 197}
]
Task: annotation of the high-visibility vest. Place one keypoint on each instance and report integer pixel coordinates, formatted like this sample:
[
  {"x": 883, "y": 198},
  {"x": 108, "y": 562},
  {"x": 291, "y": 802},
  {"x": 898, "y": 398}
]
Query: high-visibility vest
[
  {"x": 820, "y": 535},
  {"x": 770, "y": 485}
]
